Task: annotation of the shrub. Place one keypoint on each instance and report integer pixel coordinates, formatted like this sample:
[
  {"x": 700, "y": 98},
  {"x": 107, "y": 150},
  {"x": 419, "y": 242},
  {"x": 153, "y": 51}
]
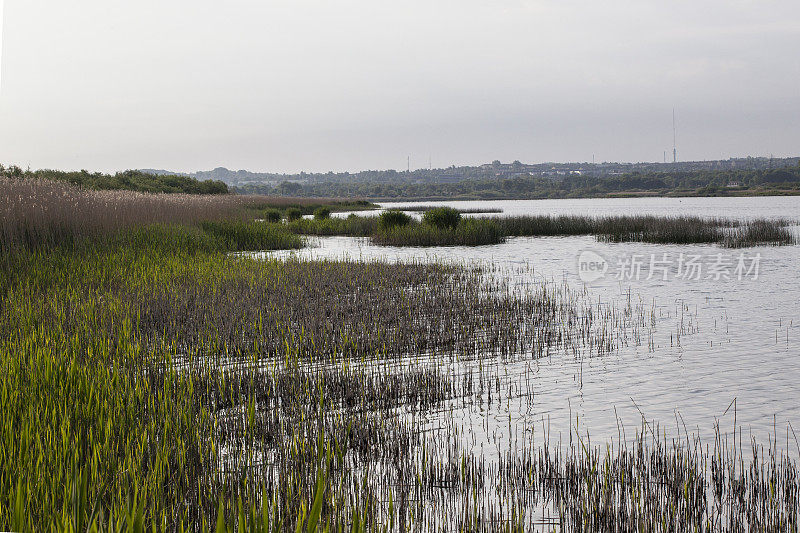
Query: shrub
[
  {"x": 392, "y": 219},
  {"x": 272, "y": 215},
  {"x": 322, "y": 213},
  {"x": 442, "y": 217},
  {"x": 294, "y": 213}
]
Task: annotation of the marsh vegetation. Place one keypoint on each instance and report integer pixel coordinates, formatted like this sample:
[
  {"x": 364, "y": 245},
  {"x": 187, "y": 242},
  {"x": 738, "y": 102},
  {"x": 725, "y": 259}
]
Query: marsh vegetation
[{"x": 153, "y": 380}]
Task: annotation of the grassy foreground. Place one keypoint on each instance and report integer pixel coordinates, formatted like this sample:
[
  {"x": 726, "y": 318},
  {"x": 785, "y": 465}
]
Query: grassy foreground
[{"x": 150, "y": 380}]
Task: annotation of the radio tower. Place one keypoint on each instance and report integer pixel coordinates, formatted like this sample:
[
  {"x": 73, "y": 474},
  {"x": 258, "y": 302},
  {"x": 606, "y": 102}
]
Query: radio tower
[{"x": 674, "y": 139}]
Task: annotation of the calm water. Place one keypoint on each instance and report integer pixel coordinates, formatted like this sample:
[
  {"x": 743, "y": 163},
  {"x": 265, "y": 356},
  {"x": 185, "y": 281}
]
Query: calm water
[{"x": 744, "y": 308}]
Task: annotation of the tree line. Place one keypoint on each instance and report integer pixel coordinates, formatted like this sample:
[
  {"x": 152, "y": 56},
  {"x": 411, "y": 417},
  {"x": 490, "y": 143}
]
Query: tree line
[
  {"x": 129, "y": 180},
  {"x": 685, "y": 183}
]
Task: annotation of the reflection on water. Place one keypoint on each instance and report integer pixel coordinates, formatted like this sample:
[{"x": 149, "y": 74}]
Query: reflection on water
[{"x": 745, "y": 346}]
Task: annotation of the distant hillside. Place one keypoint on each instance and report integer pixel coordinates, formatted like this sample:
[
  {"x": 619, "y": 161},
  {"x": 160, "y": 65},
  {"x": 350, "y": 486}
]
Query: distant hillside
[
  {"x": 496, "y": 180},
  {"x": 494, "y": 170},
  {"x": 129, "y": 180},
  {"x": 230, "y": 177}
]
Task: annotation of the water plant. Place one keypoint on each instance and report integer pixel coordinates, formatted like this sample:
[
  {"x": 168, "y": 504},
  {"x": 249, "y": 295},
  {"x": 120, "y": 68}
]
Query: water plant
[
  {"x": 468, "y": 232},
  {"x": 653, "y": 229}
]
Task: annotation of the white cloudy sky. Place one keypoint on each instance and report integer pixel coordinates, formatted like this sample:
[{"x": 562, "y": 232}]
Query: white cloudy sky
[{"x": 289, "y": 85}]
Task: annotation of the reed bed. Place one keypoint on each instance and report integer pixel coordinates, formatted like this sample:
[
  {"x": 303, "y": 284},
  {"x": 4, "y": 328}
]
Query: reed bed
[
  {"x": 41, "y": 213},
  {"x": 468, "y": 232},
  {"x": 759, "y": 232},
  {"x": 240, "y": 236},
  {"x": 353, "y": 226},
  {"x": 727, "y": 233},
  {"x": 423, "y": 208},
  {"x": 658, "y": 230}
]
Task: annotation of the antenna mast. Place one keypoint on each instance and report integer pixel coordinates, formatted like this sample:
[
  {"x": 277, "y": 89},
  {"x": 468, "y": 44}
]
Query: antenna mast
[{"x": 674, "y": 138}]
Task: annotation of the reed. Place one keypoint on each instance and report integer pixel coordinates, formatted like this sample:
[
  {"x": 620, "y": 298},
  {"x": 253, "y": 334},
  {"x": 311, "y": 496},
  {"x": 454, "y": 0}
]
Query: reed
[
  {"x": 353, "y": 226},
  {"x": 151, "y": 380},
  {"x": 653, "y": 229},
  {"x": 468, "y": 211},
  {"x": 758, "y": 232},
  {"x": 240, "y": 236},
  {"x": 468, "y": 232}
]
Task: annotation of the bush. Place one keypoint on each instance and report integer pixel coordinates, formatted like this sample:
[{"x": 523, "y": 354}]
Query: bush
[
  {"x": 322, "y": 213},
  {"x": 272, "y": 215},
  {"x": 442, "y": 217},
  {"x": 393, "y": 219},
  {"x": 294, "y": 213}
]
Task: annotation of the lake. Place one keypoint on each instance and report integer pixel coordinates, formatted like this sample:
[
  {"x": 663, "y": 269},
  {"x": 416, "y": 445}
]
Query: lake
[{"x": 725, "y": 341}]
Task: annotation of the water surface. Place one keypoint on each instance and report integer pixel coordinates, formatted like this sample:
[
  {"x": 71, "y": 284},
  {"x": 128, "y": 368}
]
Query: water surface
[{"x": 740, "y": 357}]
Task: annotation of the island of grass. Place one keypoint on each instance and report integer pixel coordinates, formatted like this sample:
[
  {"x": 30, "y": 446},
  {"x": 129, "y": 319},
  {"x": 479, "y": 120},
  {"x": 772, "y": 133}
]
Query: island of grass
[{"x": 444, "y": 226}]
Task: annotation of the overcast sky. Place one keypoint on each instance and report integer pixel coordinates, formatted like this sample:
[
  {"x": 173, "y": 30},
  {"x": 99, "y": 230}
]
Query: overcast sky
[{"x": 290, "y": 85}]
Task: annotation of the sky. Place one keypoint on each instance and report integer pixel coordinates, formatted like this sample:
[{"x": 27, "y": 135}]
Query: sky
[{"x": 317, "y": 85}]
